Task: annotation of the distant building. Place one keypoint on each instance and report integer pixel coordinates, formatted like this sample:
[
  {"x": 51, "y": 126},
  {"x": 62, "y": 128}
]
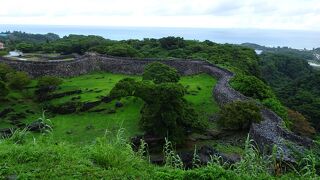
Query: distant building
[
  {"x": 1, "y": 45},
  {"x": 15, "y": 53}
]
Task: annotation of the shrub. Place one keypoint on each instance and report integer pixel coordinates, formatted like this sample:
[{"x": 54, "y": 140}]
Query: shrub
[
  {"x": 4, "y": 70},
  {"x": 300, "y": 125},
  {"x": 123, "y": 50},
  {"x": 160, "y": 73},
  {"x": 3, "y": 53},
  {"x": 239, "y": 115},
  {"x": 18, "y": 80},
  {"x": 47, "y": 81},
  {"x": 276, "y": 106},
  {"x": 171, "y": 42},
  {"x": 3, "y": 90},
  {"x": 252, "y": 87}
]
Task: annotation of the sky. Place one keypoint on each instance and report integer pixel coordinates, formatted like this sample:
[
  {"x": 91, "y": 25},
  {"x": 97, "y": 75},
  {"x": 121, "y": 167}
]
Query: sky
[{"x": 260, "y": 14}]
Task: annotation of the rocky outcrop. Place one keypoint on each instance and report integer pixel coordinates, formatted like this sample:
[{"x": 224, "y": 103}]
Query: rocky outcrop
[{"x": 268, "y": 133}]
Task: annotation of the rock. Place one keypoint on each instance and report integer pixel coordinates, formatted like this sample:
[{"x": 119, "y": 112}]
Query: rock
[
  {"x": 98, "y": 110},
  {"x": 66, "y": 108},
  {"x": 106, "y": 99},
  {"x": 197, "y": 137},
  {"x": 36, "y": 126},
  {"x": 270, "y": 132},
  {"x": 89, "y": 105},
  {"x": 152, "y": 141},
  {"x": 12, "y": 177},
  {"x": 206, "y": 152},
  {"x": 186, "y": 158},
  {"x": 118, "y": 104},
  {"x": 47, "y": 96},
  {"x": 111, "y": 111}
]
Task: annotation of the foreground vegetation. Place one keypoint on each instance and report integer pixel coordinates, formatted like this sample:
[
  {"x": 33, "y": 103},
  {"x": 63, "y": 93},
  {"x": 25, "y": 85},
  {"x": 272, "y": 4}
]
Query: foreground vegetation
[{"x": 111, "y": 157}]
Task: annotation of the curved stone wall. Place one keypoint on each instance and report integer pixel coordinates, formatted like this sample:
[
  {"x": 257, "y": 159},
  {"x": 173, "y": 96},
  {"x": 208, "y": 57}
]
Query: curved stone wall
[{"x": 266, "y": 134}]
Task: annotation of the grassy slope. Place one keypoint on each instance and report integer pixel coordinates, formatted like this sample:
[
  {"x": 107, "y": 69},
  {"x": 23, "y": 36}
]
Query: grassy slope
[
  {"x": 85, "y": 127},
  {"x": 107, "y": 158}
]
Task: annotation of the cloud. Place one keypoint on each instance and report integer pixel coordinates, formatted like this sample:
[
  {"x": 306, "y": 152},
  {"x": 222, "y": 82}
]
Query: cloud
[{"x": 274, "y": 14}]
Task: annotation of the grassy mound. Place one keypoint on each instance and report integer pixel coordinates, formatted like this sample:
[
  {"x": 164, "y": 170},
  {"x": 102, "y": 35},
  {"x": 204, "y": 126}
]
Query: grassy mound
[{"x": 84, "y": 127}]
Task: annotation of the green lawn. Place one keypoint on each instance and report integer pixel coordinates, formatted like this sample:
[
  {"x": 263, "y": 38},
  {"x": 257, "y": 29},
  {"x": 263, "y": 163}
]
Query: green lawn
[{"x": 84, "y": 127}]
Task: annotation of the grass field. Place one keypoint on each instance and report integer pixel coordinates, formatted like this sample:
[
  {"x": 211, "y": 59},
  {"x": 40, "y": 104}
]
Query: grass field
[{"x": 84, "y": 127}]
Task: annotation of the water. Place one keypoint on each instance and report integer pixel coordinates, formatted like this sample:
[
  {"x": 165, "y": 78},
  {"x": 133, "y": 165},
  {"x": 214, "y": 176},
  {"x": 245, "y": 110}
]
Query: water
[
  {"x": 314, "y": 64},
  {"x": 290, "y": 38}
]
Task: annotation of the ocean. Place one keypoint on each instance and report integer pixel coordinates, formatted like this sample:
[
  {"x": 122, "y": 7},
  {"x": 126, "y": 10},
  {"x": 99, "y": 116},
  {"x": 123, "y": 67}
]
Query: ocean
[{"x": 298, "y": 39}]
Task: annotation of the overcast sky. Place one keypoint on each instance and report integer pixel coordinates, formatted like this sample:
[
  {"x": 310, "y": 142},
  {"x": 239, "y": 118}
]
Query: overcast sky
[{"x": 270, "y": 14}]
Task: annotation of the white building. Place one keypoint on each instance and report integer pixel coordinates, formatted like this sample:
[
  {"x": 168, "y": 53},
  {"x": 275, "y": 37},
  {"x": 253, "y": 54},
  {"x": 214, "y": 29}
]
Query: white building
[{"x": 1, "y": 45}]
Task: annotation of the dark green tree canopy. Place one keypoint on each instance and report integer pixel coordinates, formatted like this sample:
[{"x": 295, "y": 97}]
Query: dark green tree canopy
[
  {"x": 165, "y": 113},
  {"x": 4, "y": 70},
  {"x": 160, "y": 73},
  {"x": 171, "y": 42},
  {"x": 18, "y": 80},
  {"x": 252, "y": 86},
  {"x": 239, "y": 115},
  {"x": 3, "y": 90},
  {"x": 47, "y": 81}
]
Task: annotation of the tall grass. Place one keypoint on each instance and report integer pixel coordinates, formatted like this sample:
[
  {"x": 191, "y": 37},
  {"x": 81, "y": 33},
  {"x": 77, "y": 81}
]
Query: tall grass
[{"x": 112, "y": 157}]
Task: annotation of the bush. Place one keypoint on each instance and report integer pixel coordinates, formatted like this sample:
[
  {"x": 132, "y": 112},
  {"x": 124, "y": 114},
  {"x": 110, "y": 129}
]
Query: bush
[
  {"x": 18, "y": 80},
  {"x": 160, "y": 73},
  {"x": 123, "y": 50},
  {"x": 276, "y": 106},
  {"x": 25, "y": 47},
  {"x": 4, "y": 70},
  {"x": 239, "y": 115},
  {"x": 3, "y": 90},
  {"x": 3, "y": 53},
  {"x": 171, "y": 42},
  {"x": 252, "y": 87},
  {"x": 300, "y": 125},
  {"x": 47, "y": 81}
]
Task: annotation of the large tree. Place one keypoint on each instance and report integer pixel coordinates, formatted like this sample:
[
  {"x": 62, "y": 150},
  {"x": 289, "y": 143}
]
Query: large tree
[
  {"x": 160, "y": 73},
  {"x": 3, "y": 90},
  {"x": 165, "y": 112},
  {"x": 18, "y": 80}
]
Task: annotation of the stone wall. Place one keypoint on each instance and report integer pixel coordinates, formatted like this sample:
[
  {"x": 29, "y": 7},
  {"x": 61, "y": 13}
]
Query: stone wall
[{"x": 266, "y": 134}]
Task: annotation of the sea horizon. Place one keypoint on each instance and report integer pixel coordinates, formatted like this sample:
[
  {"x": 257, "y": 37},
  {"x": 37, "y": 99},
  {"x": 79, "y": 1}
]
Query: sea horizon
[{"x": 298, "y": 39}]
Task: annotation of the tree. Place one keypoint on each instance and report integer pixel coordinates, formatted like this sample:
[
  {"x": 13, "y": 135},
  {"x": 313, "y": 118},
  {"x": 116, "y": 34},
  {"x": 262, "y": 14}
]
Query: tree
[
  {"x": 3, "y": 90},
  {"x": 165, "y": 112},
  {"x": 251, "y": 86},
  {"x": 300, "y": 125},
  {"x": 171, "y": 42},
  {"x": 160, "y": 73},
  {"x": 4, "y": 70},
  {"x": 122, "y": 50},
  {"x": 25, "y": 47},
  {"x": 47, "y": 81},
  {"x": 239, "y": 115},
  {"x": 276, "y": 106},
  {"x": 18, "y": 80}
]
